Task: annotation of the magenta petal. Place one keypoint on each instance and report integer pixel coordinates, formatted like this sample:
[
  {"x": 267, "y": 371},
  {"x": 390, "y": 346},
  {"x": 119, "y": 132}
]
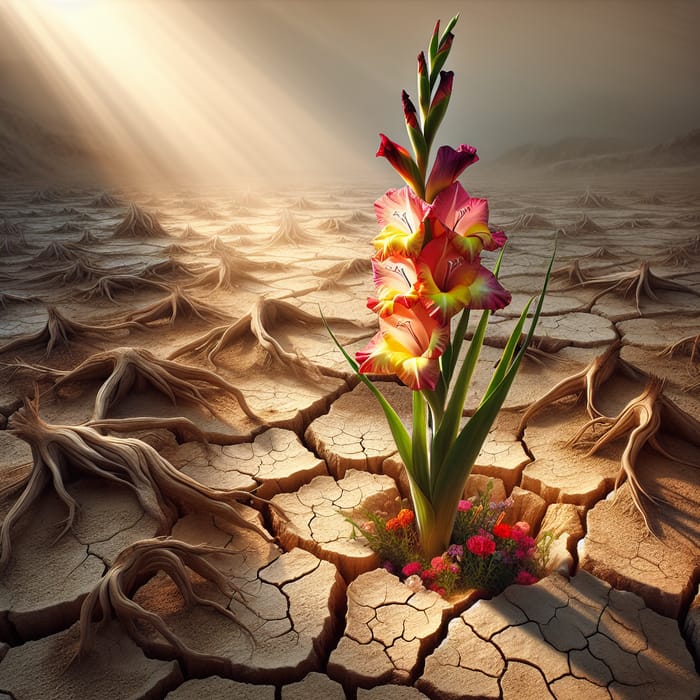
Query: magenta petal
[{"x": 448, "y": 166}]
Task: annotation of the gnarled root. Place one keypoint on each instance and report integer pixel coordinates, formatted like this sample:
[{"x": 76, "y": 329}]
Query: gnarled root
[
  {"x": 641, "y": 281},
  {"x": 260, "y": 322},
  {"x": 182, "y": 428},
  {"x": 111, "y": 598},
  {"x": 126, "y": 367},
  {"x": 690, "y": 343},
  {"x": 109, "y": 285},
  {"x": 60, "y": 331},
  {"x": 177, "y": 303},
  {"x": 161, "y": 489},
  {"x": 587, "y": 381},
  {"x": 642, "y": 418}
]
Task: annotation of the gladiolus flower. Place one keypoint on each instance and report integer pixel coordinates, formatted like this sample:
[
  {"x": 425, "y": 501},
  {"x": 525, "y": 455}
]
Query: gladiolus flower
[
  {"x": 448, "y": 283},
  {"x": 400, "y": 159},
  {"x": 401, "y": 214},
  {"x": 411, "y": 569},
  {"x": 481, "y": 545},
  {"x": 409, "y": 344},
  {"x": 464, "y": 505},
  {"x": 448, "y": 166},
  {"x": 394, "y": 280},
  {"x": 468, "y": 217}
]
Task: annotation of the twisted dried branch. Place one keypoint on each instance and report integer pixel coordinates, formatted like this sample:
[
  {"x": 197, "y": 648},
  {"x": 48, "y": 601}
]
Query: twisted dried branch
[
  {"x": 59, "y": 452},
  {"x": 177, "y": 303},
  {"x": 61, "y": 331},
  {"x": 108, "y": 285},
  {"x": 642, "y": 281},
  {"x": 587, "y": 381},
  {"x": 641, "y": 421},
  {"x": 127, "y": 368},
  {"x": 111, "y": 598},
  {"x": 260, "y": 321}
]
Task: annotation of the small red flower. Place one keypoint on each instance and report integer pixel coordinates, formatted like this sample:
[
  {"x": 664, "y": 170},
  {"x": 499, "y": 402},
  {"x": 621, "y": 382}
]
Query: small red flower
[
  {"x": 412, "y": 568},
  {"x": 481, "y": 546},
  {"x": 438, "y": 589},
  {"x": 502, "y": 530},
  {"x": 525, "y": 578},
  {"x": 437, "y": 563},
  {"x": 405, "y": 517},
  {"x": 428, "y": 575},
  {"x": 393, "y": 524}
]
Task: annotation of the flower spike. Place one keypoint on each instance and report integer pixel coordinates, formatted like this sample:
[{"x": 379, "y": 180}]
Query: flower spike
[
  {"x": 438, "y": 106},
  {"x": 415, "y": 134}
]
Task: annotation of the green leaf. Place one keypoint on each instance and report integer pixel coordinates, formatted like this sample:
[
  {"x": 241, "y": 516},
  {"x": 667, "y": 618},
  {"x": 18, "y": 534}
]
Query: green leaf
[
  {"x": 451, "y": 354},
  {"x": 466, "y": 447},
  {"x": 446, "y": 433},
  {"x": 419, "y": 443}
]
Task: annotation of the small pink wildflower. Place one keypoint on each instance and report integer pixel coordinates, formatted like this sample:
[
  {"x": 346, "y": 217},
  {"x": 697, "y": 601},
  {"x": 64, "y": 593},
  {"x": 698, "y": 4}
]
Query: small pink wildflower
[
  {"x": 411, "y": 569},
  {"x": 481, "y": 545},
  {"x": 521, "y": 528},
  {"x": 525, "y": 578},
  {"x": 428, "y": 575},
  {"x": 464, "y": 505},
  {"x": 438, "y": 589},
  {"x": 437, "y": 563},
  {"x": 368, "y": 527}
]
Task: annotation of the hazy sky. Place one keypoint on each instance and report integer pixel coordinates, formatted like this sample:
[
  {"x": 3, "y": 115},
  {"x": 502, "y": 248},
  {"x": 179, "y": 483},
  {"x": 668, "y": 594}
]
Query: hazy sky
[{"x": 307, "y": 85}]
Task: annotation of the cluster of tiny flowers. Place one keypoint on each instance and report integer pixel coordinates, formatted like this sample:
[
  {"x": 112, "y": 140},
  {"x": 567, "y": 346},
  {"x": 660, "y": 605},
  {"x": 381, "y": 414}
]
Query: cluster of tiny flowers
[{"x": 486, "y": 553}]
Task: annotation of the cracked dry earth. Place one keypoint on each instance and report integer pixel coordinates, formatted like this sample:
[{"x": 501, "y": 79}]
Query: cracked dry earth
[{"x": 182, "y": 446}]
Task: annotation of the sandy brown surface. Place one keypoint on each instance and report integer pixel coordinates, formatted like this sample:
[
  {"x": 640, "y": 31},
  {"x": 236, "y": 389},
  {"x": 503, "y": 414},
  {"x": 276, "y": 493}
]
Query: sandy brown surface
[{"x": 164, "y": 368}]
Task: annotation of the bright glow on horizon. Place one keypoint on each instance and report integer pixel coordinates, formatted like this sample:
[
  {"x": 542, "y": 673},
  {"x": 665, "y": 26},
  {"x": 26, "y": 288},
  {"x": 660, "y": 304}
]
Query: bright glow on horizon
[{"x": 171, "y": 94}]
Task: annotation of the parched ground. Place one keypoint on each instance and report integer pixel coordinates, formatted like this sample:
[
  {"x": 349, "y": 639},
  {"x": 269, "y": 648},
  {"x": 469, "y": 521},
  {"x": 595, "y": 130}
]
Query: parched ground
[{"x": 182, "y": 449}]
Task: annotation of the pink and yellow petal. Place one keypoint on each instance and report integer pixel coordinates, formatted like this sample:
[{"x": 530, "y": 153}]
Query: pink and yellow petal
[
  {"x": 419, "y": 373},
  {"x": 394, "y": 280},
  {"x": 409, "y": 345},
  {"x": 393, "y": 240},
  {"x": 487, "y": 292},
  {"x": 402, "y": 208}
]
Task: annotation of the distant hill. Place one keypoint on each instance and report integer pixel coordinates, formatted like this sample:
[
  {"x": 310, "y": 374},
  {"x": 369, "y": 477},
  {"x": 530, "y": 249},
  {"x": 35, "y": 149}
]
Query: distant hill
[
  {"x": 581, "y": 155},
  {"x": 32, "y": 151},
  {"x": 536, "y": 155}
]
